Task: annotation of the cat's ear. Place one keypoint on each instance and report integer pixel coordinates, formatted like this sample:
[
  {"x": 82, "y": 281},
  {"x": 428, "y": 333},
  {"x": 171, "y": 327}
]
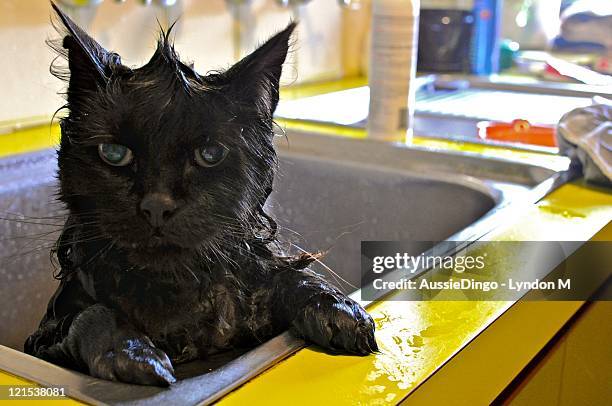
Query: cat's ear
[
  {"x": 90, "y": 65},
  {"x": 255, "y": 79}
]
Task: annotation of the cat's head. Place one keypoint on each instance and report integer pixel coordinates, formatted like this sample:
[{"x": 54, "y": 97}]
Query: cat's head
[{"x": 160, "y": 156}]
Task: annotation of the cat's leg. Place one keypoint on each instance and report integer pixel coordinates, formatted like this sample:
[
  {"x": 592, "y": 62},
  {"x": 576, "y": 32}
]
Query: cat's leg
[
  {"x": 320, "y": 313},
  {"x": 96, "y": 340}
]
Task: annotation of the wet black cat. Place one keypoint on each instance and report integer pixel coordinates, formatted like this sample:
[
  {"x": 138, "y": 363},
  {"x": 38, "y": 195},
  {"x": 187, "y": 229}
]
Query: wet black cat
[{"x": 167, "y": 254}]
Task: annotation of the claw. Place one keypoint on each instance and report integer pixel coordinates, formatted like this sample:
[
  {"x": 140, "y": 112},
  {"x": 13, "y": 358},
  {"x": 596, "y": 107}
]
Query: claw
[
  {"x": 135, "y": 362},
  {"x": 337, "y": 323}
]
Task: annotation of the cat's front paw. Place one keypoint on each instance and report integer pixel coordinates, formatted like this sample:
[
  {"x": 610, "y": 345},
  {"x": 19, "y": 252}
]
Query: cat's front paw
[
  {"x": 135, "y": 361},
  {"x": 337, "y": 323}
]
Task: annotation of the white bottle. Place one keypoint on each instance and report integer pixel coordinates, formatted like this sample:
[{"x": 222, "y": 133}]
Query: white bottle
[{"x": 392, "y": 69}]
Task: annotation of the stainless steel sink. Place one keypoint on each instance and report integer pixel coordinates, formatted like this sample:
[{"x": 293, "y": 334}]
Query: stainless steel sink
[{"x": 331, "y": 193}]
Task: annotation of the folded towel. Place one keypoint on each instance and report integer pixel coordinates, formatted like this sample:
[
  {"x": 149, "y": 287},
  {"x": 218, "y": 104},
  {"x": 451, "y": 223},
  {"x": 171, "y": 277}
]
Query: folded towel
[{"x": 585, "y": 136}]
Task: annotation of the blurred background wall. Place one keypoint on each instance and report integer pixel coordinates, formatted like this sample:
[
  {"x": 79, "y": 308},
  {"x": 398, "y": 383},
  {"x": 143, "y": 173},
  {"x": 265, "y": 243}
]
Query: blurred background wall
[
  {"x": 332, "y": 41},
  {"x": 205, "y": 34}
]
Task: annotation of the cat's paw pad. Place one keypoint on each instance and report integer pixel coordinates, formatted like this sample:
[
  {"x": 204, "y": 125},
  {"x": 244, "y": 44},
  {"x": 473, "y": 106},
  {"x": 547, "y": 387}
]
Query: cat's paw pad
[
  {"x": 134, "y": 361},
  {"x": 337, "y": 323}
]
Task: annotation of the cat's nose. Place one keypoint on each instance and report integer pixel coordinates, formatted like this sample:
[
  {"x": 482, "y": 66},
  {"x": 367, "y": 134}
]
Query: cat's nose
[{"x": 157, "y": 208}]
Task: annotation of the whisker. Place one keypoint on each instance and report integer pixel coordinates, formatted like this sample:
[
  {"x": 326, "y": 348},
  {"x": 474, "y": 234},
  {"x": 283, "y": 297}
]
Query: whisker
[{"x": 333, "y": 273}]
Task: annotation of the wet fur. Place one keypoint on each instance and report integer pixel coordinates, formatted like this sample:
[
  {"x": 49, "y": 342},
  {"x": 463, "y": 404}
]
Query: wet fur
[{"x": 130, "y": 304}]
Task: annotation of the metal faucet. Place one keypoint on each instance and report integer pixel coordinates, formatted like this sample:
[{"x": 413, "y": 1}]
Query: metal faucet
[
  {"x": 238, "y": 2},
  {"x": 243, "y": 29},
  {"x": 84, "y": 11},
  {"x": 351, "y": 4},
  {"x": 291, "y": 3},
  {"x": 160, "y": 3}
]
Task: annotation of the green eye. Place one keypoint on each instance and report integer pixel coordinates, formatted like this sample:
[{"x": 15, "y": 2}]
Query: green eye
[
  {"x": 211, "y": 155},
  {"x": 115, "y": 154}
]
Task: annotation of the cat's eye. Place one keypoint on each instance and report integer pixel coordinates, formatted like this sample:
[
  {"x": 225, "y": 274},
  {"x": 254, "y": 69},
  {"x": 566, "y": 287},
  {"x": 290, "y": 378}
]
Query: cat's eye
[
  {"x": 115, "y": 154},
  {"x": 211, "y": 155}
]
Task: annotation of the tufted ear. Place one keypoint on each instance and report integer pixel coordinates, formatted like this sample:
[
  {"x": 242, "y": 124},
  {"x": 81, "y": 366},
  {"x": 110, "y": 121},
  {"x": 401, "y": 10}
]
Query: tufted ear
[
  {"x": 255, "y": 79},
  {"x": 89, "y": 63}
]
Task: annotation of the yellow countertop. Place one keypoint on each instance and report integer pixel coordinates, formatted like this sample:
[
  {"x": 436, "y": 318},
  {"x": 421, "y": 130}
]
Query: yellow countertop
[{"x": 12, "y": 380}]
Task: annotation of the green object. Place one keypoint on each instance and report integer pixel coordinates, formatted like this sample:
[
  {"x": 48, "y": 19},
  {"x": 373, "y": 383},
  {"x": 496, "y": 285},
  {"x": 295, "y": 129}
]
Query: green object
[{"x": 507, "y": 50}]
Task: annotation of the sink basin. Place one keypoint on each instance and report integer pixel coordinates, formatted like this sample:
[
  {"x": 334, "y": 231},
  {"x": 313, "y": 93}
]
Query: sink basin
[
  {"x": 332, "y": 205},
  {"x": 331, "y": 193}
]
